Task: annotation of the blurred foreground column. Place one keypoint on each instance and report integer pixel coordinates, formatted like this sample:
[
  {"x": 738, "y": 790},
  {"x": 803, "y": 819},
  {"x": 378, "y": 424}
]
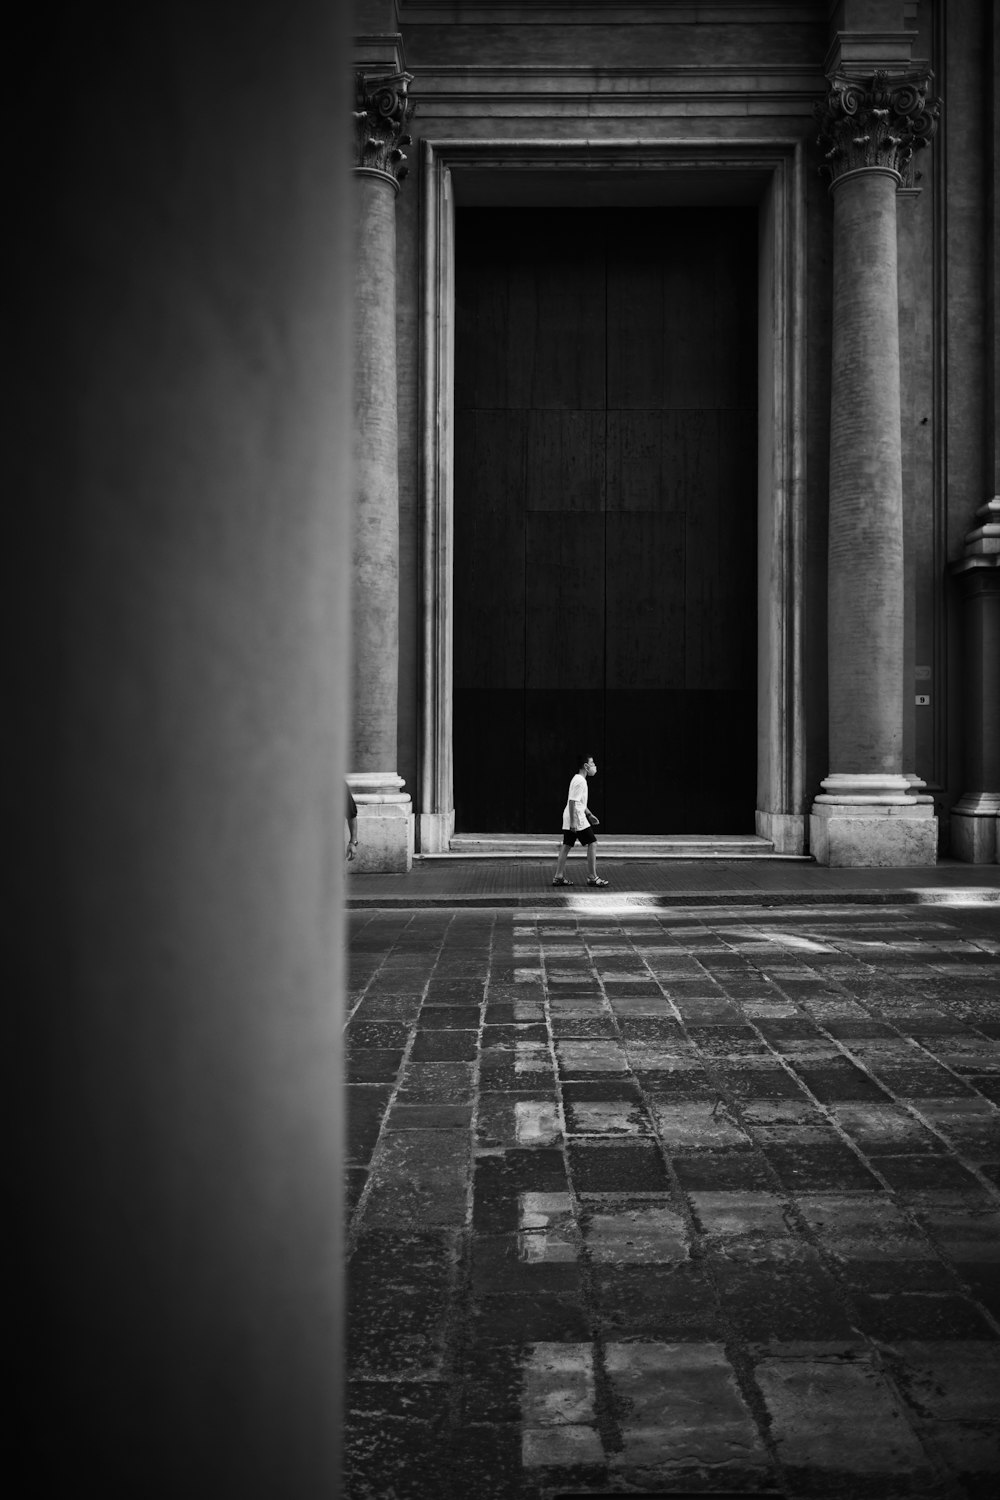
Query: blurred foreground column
[{"x": 183, "y": 491}]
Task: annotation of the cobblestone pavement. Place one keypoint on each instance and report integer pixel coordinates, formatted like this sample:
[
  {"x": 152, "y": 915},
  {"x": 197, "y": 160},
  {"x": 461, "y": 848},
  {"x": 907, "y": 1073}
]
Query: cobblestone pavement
[{"x": 674, "y": 1202}]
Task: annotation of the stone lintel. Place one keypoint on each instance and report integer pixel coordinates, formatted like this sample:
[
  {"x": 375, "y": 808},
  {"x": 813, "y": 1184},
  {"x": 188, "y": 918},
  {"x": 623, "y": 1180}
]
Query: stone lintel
[{"x": 865, "y": 836}]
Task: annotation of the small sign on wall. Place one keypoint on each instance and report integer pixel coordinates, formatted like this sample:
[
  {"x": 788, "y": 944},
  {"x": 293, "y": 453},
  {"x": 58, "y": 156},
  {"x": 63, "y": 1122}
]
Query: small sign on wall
[{"x": 923, "y": 700}]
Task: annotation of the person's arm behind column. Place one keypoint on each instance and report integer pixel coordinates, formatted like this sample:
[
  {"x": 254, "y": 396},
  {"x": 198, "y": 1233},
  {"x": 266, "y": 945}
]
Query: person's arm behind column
[{"x": 352, "y": 824}]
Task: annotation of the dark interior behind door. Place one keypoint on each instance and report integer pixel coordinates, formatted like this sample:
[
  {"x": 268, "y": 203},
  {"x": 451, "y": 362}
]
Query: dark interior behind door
[{"x": 605, "y": 517}]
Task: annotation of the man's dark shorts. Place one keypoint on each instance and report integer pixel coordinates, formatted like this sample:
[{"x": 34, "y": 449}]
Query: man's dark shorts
[{"x": 585, "y": 835}]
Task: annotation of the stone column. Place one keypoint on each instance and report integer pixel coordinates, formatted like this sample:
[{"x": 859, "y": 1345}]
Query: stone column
[
  {"x": 867, "y": 814},
  {"x": 975, "y": 819},
  {"x": 180, "y": 451},
  {"x": 385, "y": 816}
]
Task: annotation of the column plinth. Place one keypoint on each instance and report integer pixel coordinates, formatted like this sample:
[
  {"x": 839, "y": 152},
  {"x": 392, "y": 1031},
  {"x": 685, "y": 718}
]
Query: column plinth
[
  {"x": 867, "y": 813},
  {"x": 385, "y": 815}
]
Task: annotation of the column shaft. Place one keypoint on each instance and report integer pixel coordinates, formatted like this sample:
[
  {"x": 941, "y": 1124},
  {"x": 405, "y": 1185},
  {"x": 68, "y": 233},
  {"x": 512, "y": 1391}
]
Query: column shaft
[
  {"x": 376, "y": 518},
  {"x": 866, "y": 491}
]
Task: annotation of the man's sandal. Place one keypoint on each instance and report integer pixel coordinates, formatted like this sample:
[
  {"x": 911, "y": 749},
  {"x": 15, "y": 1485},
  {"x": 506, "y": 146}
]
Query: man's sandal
[
  {"x": 595, "y": 880},
  {"x": 560, "y": 880}
]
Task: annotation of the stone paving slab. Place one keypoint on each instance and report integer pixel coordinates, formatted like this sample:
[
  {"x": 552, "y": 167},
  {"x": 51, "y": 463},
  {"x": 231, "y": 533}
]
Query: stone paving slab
[{"x": 673, "y": 1202}]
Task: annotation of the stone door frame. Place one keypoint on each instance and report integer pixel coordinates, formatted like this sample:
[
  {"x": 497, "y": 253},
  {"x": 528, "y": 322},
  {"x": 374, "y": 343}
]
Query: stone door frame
[{"x": 776, "y": 168}]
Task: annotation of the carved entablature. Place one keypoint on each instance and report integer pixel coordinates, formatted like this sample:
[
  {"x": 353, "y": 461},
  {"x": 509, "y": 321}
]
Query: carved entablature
[
  {"x": 876, "y": 122},
  {"x": 382, "y": 112}
]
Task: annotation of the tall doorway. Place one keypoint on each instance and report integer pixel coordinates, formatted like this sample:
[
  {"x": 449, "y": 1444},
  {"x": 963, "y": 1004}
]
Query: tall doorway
[{"x": 605, "y": 515}]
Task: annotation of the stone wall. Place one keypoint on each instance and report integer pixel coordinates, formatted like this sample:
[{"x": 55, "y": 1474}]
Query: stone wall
[{"x": 684, "y": 73}]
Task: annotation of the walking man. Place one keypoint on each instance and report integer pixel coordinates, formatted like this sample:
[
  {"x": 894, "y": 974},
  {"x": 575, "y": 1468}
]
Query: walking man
[{"x": 579, "y": 823}]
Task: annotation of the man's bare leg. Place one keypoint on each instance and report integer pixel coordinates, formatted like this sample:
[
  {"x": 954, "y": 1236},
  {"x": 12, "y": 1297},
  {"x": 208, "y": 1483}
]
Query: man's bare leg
[
  {"x": 592, "y": 861},
  {"x": 561, "y": 862}
]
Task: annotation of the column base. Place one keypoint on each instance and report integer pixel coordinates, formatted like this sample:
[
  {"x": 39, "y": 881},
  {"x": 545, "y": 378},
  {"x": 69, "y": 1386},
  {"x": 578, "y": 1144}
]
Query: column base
[
  {"x": 787, "y": 831},
  {"x": 385, "y": 824},
  {"x": 974, "y": 826},
  {"x": 434, "y": 831},
  {"x": 864, "y": 835},
  {"x": 918, "y": 787},
  {"x": 862, "y": 788}
]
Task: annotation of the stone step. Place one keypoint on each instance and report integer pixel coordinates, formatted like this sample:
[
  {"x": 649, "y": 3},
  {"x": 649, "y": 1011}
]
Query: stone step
[{"x": 624, "y": 846}]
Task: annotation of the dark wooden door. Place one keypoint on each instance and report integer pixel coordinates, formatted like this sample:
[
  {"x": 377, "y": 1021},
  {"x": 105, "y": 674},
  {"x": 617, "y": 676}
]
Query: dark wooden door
[{"x": 605, "y": 517}]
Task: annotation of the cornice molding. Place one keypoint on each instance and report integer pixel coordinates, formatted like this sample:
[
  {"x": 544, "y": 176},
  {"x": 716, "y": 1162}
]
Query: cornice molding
[
  {"x": 536, "y": 91},
  {"x": 602, "y": 70},
  {"x": 778, "y": 12},
  {"x": 583, "y": 153}
]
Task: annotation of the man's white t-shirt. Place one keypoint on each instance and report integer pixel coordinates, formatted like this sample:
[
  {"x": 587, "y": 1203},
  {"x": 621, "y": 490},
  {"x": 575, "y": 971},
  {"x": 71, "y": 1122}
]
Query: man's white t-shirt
[{"x": 577, "y": 794}]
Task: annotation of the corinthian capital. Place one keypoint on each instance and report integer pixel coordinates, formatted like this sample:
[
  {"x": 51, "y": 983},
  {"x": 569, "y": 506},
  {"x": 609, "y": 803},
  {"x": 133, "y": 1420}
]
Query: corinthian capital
[
  {"x": 876, "y": 122},
  {"x": 382, "y": 112}
]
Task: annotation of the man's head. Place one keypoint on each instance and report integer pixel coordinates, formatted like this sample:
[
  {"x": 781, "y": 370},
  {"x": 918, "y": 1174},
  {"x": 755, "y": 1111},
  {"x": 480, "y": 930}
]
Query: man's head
[{"x": 587, "y": 765}]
